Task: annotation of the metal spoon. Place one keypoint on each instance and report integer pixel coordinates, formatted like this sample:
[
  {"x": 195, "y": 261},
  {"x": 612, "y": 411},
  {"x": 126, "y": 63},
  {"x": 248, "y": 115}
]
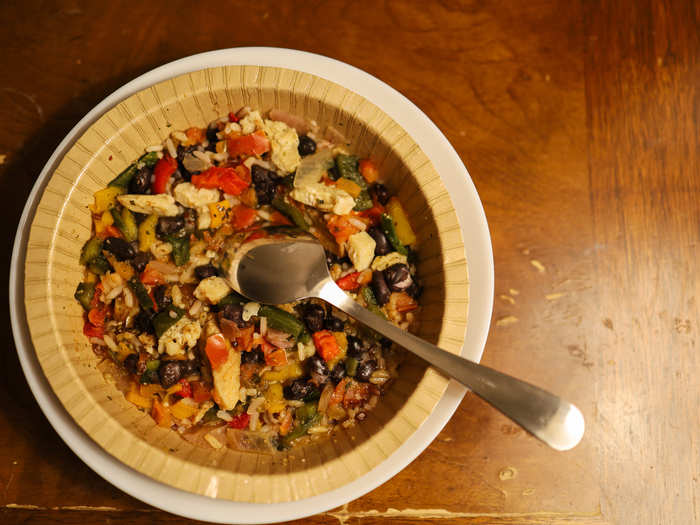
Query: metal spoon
[{"x": 276, "y": 271}]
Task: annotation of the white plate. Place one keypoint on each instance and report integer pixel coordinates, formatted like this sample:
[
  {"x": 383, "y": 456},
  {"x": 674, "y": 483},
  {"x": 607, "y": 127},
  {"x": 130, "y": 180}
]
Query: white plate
[{"x": 479, "y": 258}]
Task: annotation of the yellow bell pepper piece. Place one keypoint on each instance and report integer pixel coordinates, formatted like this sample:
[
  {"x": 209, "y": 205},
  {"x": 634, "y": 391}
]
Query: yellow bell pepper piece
[
  {"x": 183, "y": 409},
  {"x": 219, "y": 213},
  {"x": 103, "y": 221},
  {"x": 147, "y": 232},
  {"x": 290, "y": 371},
  {"x": 106, "y": 199},
  {"x": 349, "y": 186},
  {"x": 403, "y": 227},
  {"x": 149, "y": 390},
  {"x": 274, "y": 398},
  {"x": 137, "y": 399}
]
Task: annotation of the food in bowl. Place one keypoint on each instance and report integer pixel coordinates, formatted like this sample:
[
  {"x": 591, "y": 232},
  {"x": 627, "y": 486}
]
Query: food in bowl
[{"x": 200, "y": 358}]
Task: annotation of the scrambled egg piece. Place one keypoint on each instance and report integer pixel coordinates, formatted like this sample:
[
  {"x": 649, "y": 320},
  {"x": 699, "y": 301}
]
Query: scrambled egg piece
[
  {"x": 190, "y": 196},
  {"x": 212, "y": 290},
  {"x": 284, "y": 145},
  {"x": 384, "y": 261},
  {"x": 361, "y": 250},
  {"x": 162, "y": 204},
  {"x": 180, "y": 337},
  {"x": 325, "y": 198},
  {"x": 251, "y": 122}
]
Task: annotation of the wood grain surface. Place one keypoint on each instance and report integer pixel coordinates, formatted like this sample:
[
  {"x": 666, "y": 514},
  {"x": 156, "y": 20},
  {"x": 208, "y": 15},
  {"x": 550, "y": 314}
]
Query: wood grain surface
[{"x": 579, "y": 124}]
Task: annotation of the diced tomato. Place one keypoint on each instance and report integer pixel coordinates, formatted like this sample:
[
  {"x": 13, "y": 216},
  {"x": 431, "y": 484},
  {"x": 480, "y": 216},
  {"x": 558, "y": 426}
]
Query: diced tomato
[
  {"x": 229, "y": 179},
  {"x": 276, "y": 358},
  {"x": 98, "y": 315},
  {"x": 339, "y": 392},
  {"x": 326, "y": 344},
  {"x": 152, "y": 277},
  {"x": 241, "y": 421},
  {"x": 279, "y": 219},
  {"x": 355, "y": 394},
  {"x": 110, "y": 231},
  {"x": 374, "y": 213},
  {"x": 341, "y": 228},
  {"x": 195, "y": 135},
  {"x": 248, "y": 145},
  {"x": 200, "y": 392},
  {"x": 186, "y": 390},
  {"x": 216, "y": 350},
  {"x": 354, "y": 280},
  {"x": 243, "y": 217},
  {"x": 162, "y": 171},
  {"x": 232, "y": 117},
  {"x": 90, "y": 330},
  {"x": 258, "y": 234},
  {"x": 369, "y": 170}
]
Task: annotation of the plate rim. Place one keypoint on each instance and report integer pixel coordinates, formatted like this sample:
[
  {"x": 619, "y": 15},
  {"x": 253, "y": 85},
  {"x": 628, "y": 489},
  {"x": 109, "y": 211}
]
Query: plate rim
[{"x": 481, "y": 281}]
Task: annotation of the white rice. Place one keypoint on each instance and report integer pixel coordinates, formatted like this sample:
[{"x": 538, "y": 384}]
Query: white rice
[
  {"x": 97, "y": 341},
  {"x": 222, "y": 414},
  {"x": 128, "y": 298},
  {"x": 202, "y": 156},
  {"x": 110, "y": 343},
  {"x": 114, "y": 293},
  {"x": 171, "y": 147},
  {"x": 357, "y": 223},
  {"x": 220, "y": 157},
  {"x": 196, "y": 307},
  {"x": 157, "y": 147},
  {"x": 179, "y": 136},
  {"x": 263, "y": 326}
]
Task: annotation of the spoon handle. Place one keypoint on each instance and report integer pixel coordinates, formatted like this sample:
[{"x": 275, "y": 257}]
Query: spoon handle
[{"x": 556, "y": 422}]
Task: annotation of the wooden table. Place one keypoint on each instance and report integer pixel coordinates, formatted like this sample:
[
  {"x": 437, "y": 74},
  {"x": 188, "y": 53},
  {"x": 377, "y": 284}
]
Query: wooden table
[{"x": 578, "y": 122}]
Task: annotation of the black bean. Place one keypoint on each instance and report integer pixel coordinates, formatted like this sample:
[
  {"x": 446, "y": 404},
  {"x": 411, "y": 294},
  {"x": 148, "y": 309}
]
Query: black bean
[
  {"x": 169, "y": 373},
  {"x": 385, "y": 343},
  {"x": 331, "y": 259},
  {"x": 307, "y": 146},
  {"x": 365, "y": 370},
  {"x": 338, "y": 373},
  {"x": 212, "y": 130},
  {"x": 208, "y": 270},
  {"x": 143, "y": 321},
  {"x": 298, "y": 389},
  {"x": 162, "y": 300},
  {"x": 333, "y": 173},
  {"x": 398, "y": 277},
  {"x": 313, "y": 315},
  {"x": 234, "y": 312},
  {"x": 131, "y": 363},
  {"x": 255, "y": 356},
  {"x": 355, "y": 346},
  {"x": 381, "y": 192},
  {"x": 265, "y": 182},
  {"x": 170, "y": 225},
  {"x": 381, "y": 290},
  {"x": 189, "y": 367},
  {"x": 318, "y": 368},
  {"x": 121, "y": 249},
  {"x": 140, "y": 261},
  {"x": 141, "y": 183},
  {"x": 333, "y": 324},
  {"x": 382, "y": 246},
  {"x": 415, "y": 290}
]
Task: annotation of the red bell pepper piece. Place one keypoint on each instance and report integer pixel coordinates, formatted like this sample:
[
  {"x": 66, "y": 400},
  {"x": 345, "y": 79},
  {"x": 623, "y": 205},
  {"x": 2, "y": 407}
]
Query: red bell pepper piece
[
  {"x": 162, "y": 171},
  {"x": 248, "y": 145},
  {"x": 241, "y": 421},
  {"x": 232, "y": 117},
  {"x": 243, "y": 216},
  {"x": 90, "y": 330},
  {"x": 200, "y": 392},
  {"x": 231, "y": 180},
  {"x": 259, "y": 234},
  {"x": 186, "y": 390},
  {"x": 368, "y": 170},
  {"x": 325, "y": 343},
  {"x": 97, "y": 316}
]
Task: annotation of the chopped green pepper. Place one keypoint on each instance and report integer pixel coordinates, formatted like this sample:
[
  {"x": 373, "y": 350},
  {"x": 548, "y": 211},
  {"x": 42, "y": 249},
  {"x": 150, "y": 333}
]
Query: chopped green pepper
[
  {"x": 363, "y": 201},
  {"x": 181, "y": 249},
  {"x": 149, "y": 376},
  {"x": 141, "y": 294},
  {"x": 84, "y": 294},
  {"x": 233, "y": 298},
  {"x": 299, "y": 431},
  {"x": 281, "y": 320},
  {"x": 165, "y": 319},
  {"x": 91, "y": 249},
  {"x": 304, "y": 336},
  {"x": 124, "y": 178},
  {"x": 126, "y": 223},
  {"x": 305, "y": 412},
  {"x": 153, "y": 365},
  {"x": 390, "y": 231},
  {"x": 371, "y": 300},
  {"x": 290, "y": 211},
  {"x": 346, "y": 165},
  {"x": 99, "y": 265},
  {"x": 351, "y": 366}
]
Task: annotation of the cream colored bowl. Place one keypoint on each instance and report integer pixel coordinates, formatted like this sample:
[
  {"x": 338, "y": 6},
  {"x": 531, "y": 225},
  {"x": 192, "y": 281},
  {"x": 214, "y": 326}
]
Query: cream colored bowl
[{"x": 191, "y": 96}]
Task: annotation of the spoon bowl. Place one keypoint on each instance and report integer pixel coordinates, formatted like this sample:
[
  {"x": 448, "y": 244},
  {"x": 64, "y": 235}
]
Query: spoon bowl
[{"x": 281, "y": 270}]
